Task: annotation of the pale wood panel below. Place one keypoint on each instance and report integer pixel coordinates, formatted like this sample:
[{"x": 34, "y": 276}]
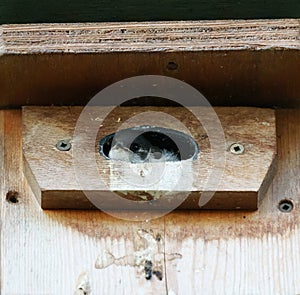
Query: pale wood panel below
[{"x": 44, "y": 252}]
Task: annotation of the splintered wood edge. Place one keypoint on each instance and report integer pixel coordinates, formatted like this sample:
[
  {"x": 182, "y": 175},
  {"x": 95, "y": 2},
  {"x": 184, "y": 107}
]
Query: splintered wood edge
[
  {"x": 76, "y": 199},
  {"x": 150, "y": 36}
]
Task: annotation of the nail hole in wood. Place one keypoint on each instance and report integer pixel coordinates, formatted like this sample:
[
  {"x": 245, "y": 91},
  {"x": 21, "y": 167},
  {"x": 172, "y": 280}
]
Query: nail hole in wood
[
  {"x": 12, "y": 197},
  {"x": 172, "y": 66}
]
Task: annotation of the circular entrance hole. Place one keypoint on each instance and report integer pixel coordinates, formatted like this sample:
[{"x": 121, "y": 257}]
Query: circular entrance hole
[{"x": 146, "y": 142}]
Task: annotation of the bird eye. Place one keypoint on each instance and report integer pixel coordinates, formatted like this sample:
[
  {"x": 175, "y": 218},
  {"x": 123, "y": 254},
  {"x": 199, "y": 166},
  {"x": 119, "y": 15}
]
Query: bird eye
[
  {"x": 135, "y": 147},
  {"x": 157, "y": 155}
]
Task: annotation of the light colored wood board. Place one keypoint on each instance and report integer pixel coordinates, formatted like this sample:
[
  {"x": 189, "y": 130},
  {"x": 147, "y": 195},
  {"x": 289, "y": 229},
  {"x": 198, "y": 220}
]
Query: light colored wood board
[
  {"x": 231, "y": 62},
  {"x": 48, "y": 251},
  {"x": 16, "y": 11},
  {"x": 53, "y": 179},
  {"x": 243, "y": 253},
  {"x": 150, "y": 36},
  {"x": 257, "y": 254}
]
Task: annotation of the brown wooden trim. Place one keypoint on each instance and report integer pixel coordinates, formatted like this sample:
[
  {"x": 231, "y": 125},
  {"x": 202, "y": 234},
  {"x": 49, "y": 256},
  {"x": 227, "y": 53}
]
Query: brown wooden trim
[
  {"x": 244, "y": 182},
  {"x": 240, "y": 62}
]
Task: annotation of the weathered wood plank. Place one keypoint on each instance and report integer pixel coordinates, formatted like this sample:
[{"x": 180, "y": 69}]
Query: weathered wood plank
[
  {"x": 58, "y": 252},
  {"x": 243, "y": 253},
  {"x": 28, "y": 11},
  {"x": 246, "y": 62},
  {"x": 221, "y": 252},
  {"x": 56, "y": 179}
]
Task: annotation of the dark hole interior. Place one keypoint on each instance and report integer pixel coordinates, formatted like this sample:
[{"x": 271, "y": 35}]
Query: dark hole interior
[
  {"x": 150, "y": 101},
  {"x": 160, "y": 141},
  {"x": 12, "y": 197},
  {"x": 237, "y": 148},
  {"x": 172, "y": 66}
]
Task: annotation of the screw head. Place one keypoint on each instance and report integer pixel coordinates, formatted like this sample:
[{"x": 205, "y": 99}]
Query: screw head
[
  {"x": 237, "y": 149},
  {"x": 63, "y": 145},
  {"x": 286, "y": 206}
]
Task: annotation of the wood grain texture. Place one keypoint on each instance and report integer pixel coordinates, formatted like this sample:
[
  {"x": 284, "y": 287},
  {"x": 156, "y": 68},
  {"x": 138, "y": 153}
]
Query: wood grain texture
[
  {"x": 150, "y": 36},
  {"x": 243, "y": 253},
  {"x": 231, "y": 62},
  {"x": 220, "y": 252},
  {"x": 61, "y": 183},
  {"x": 33, "y": 242},
  {"x": 29, "y": 11}
]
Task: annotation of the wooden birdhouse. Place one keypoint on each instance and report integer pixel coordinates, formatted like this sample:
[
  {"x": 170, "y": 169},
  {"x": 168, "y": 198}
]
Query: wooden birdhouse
[{"x": 149, "y": 147}]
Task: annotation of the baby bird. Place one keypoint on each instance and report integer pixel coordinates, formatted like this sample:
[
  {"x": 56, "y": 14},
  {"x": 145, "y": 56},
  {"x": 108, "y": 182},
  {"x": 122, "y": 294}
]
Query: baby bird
[
  {"x": 141, "y": 155},
  {"x": 120, "y": 153},
  {"x": 164, "y": 155}
]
